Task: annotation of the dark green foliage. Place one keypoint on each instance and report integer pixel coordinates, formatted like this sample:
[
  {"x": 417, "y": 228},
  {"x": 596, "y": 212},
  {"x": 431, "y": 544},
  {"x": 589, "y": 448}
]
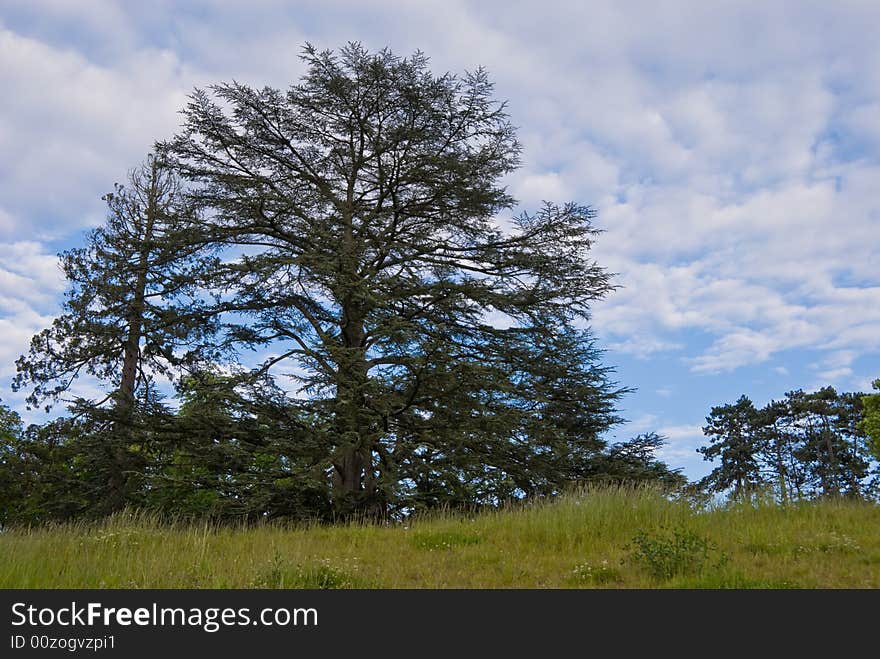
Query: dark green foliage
[
  {"x": 13, "y": 468},
  {"x": 807, "y": 445},
  {"x": 65, "y": 465},
  {"x": 633, "y": 462},
  {"x": 44, "y": 475},
  {"x": 525, "y": 420},
  {"x": 735, "y": 442},
  {"x": 831, "y": 446},
  {"x": 132, "y": 312},
  {"x": 46, "y": 472},
  {"x": 778, "y": 441},
  {"x": 238, "y": 447},
  {"x": 368, "y": 194},
  {"x": 10, "y": 424},
  {"x": 132, "y": 300}
]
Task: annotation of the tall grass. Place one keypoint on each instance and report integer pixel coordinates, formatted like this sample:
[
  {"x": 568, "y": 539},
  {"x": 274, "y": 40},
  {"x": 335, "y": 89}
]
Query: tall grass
[{"x": 597, "y": 538}]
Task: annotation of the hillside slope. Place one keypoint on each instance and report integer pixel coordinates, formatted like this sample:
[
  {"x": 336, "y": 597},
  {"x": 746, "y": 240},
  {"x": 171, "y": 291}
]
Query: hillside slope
[{"x": 598, "y": 539}]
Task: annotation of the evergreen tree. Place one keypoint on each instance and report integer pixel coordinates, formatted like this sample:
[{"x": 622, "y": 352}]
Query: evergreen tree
[
  {"x": 806, "y": 445},
  {"x": 131, "y": 313},
  {"x": 378, "y": 262},
  {"x": 10, "y": 424},
  {"x": 778, "y": 443},
  {"x": 40, "y": 476},
  {"x": 831, "y": 447},
  {"x": 635, "y": 461},
  {"x": 732, "y": 432},
  {"x": 238, "y": 447},
  {"x": 522, "y": 417},
  {"x": 11, "y": 468}
]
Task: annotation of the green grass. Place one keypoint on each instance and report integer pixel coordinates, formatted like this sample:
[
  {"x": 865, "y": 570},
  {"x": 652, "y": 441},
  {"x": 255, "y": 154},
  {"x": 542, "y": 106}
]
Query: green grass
[{"x": 597, "y": 539}]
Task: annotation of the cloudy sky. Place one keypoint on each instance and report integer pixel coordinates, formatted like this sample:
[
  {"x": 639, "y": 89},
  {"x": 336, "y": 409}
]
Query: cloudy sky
[{"x": 732, "y": 150}]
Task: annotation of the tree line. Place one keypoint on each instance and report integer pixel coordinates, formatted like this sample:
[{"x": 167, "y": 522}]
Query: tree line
[
  {"x": 417, "y": 344},
  {"x": 806, "y": 445}
]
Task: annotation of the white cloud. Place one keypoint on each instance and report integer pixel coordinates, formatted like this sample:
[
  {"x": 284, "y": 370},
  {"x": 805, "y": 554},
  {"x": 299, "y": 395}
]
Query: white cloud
[
  {"x": 30, "y": 282},
  {"x": 532, "y": 189},
  {"x": 682, "y": 443},
  {"x": 28, "y": 274},
  {"x": 774, "y": 271},
  {"x": 643, "y": 347},
  {"x": 69, "y": 128}
]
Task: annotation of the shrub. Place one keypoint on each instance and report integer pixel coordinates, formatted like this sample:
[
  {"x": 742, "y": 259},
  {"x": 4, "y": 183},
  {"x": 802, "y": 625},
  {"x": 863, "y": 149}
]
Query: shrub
[{"x": 667, "y": 554}]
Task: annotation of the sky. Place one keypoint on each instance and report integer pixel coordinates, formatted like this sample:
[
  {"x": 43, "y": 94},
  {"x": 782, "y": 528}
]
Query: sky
[{"x": 731, "y": 149}]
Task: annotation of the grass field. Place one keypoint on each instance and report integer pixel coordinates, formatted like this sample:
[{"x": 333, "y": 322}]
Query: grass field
[{"x": 598, "y": 539}]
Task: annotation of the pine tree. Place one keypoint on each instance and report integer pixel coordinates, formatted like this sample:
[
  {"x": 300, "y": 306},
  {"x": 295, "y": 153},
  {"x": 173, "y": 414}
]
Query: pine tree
[
  {"x": 732, "y": 430},
  {"x": 778, "y": 444},
  {"x": 806, "y": 445},
  {"x": 238, "y": 447},
  {"x": 376, "y": 253},
  {"x": 832, "y": 446},
  {"x": 131, "y": 313}
]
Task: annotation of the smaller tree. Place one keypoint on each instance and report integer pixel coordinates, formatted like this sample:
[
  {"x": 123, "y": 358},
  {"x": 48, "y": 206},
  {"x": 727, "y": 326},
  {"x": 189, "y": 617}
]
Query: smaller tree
[
  {"x": 732, "y": 432},
  {"x": 239, "y": 447},
  {"x": 778, "y": 445},
  {"x": 40, "y": 479},
  {"x": 132, "y": 312},
  {"x": 831, "y": 444},
  {"x": 635, "y": 461},
  {"x": 809, "y": 444}
]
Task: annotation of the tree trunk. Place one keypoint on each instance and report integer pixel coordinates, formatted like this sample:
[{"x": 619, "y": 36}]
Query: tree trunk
[
  {"x": 834, "y": 488},
  {"x": 125, "y": 401},
  {"x": 780, "y": 472},
  {"x": 354, "y": 456}
]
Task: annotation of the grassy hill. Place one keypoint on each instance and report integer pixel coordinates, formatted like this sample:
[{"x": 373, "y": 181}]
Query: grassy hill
[{"x": 597, "y": 539}]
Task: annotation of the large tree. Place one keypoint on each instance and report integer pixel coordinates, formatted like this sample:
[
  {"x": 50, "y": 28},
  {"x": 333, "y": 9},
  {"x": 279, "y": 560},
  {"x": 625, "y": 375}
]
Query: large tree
[
  {"x": 131, "y": 312},
  {"x": 375, "y": 255}
]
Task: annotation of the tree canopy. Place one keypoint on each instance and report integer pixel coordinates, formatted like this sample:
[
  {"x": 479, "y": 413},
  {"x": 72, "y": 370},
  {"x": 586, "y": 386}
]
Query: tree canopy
[
  {"x": 809, "y": 444},
  {"x": 383, "y": 268}
]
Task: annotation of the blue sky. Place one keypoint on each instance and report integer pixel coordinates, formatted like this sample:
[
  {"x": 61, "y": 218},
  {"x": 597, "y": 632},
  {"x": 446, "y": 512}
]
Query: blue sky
[{"x": 732, "y": 150}]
